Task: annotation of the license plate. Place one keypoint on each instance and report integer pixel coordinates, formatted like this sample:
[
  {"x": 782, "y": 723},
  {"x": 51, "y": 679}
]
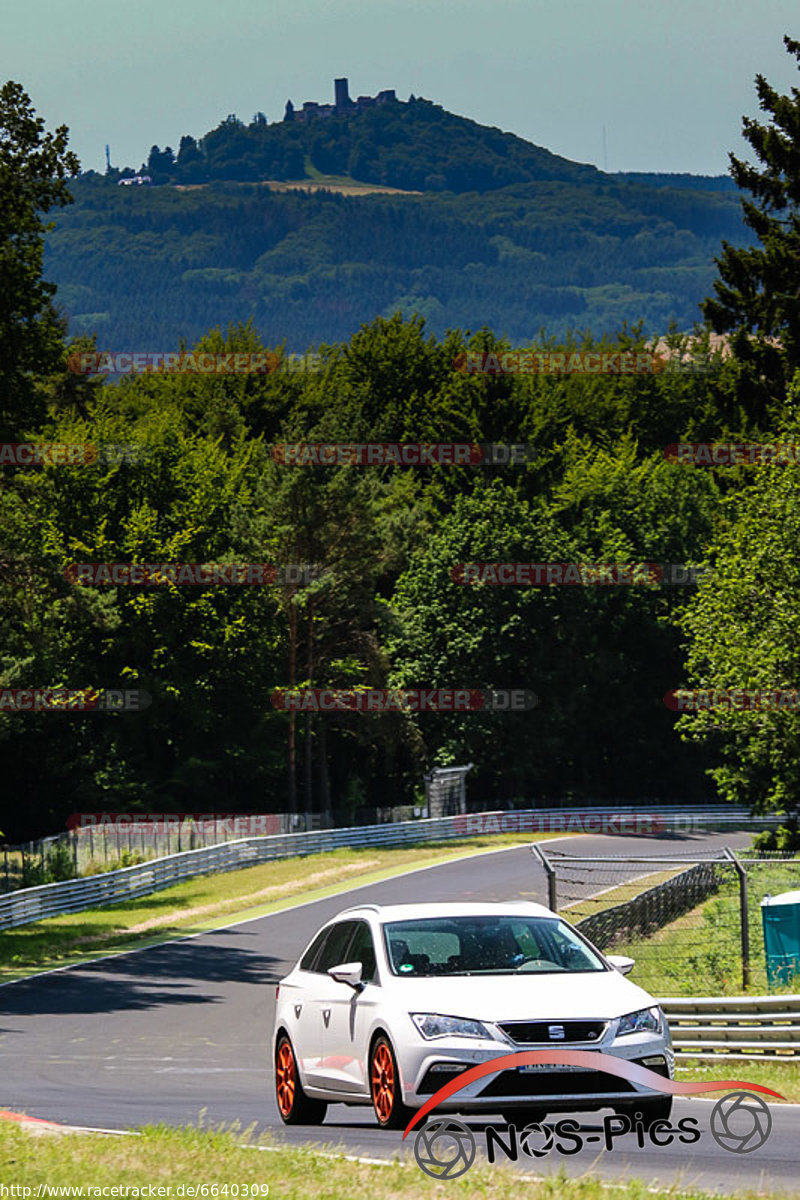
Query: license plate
[{"x": 533, "y": 1068}]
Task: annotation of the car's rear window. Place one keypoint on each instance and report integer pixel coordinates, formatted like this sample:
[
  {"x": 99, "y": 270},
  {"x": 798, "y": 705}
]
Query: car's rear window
[{"x": 487, "y": 945}]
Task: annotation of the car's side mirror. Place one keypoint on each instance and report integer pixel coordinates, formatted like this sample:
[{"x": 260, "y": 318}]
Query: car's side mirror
[
  {"x": 621, "y": 963},
  {"x": 349, "y": 973}
]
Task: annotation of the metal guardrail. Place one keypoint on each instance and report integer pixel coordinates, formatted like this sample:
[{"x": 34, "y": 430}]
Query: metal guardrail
[
  {"x": 758, "y": 1028},
  {"x": 127, "y": 883}
]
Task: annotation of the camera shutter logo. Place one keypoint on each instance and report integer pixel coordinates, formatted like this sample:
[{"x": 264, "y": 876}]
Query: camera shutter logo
[
  {"x": 528, "y": 1137},
  {"x": 740, "y": 1122},
  {"x": 444, "y": 1148}
]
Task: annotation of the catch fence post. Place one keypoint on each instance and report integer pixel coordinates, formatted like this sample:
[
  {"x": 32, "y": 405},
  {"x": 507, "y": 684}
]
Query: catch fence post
[
  {"x": 550, "y": 871},
  {"x": 744, "y": 916}
]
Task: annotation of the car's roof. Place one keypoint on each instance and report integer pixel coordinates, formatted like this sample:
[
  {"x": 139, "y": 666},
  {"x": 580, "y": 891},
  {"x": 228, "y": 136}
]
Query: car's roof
[{"x": 485, "y": 908}]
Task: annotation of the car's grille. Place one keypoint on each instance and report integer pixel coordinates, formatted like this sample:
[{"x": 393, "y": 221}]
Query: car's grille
[
  {"x": 554, "y": 1083},
  {"x": 534, "y": 1033}
]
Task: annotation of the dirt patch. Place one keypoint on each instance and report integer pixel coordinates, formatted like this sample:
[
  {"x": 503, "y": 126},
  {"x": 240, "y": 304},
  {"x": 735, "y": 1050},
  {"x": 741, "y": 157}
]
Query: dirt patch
[
  {"x": 315, "y": 185},
  {"x": 248, "y": 900}
]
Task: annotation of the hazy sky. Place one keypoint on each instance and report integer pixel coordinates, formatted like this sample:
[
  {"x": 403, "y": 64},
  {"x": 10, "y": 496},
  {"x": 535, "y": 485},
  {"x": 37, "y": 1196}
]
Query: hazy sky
[{"x": 669, "y": 79}]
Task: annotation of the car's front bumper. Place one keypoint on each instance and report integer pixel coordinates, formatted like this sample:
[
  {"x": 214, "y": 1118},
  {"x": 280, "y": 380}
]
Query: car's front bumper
[{"x": 426, "y": 1067}]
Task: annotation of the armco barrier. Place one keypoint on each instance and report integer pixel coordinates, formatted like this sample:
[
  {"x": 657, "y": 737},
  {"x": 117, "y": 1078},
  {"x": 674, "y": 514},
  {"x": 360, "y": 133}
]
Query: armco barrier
[
  {"x": 99, "y": 891},
  {"x": 762, "y": 1028}
]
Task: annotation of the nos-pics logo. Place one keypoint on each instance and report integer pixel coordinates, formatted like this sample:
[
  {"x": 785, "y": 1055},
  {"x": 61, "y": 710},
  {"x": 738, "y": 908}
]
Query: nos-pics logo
[{"x": 445, "y": 1148}]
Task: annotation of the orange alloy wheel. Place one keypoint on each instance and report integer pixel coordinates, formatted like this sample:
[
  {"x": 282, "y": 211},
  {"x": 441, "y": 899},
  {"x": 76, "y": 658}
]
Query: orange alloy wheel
[
  {"x": 285, "y": 1078},
  {"x": 383, "y": 1082}
]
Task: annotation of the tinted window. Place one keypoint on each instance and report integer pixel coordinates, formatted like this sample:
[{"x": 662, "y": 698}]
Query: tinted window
[
  {"x": 334, "y": 951},
  {"x": 362, "y": 949},
  {"x": 307, "y": 961}
]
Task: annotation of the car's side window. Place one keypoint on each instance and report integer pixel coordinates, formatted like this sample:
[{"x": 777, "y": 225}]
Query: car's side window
[
  {"x": 311, "y": 954},
  {"x": 334, "y": 951},
  {"x": 362, "y": 949}
]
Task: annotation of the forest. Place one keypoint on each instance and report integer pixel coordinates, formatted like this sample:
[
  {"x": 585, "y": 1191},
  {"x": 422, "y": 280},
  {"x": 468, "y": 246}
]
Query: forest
[
  {"x": 148, "y": 266},
  {"x": 384, "y": 606}
]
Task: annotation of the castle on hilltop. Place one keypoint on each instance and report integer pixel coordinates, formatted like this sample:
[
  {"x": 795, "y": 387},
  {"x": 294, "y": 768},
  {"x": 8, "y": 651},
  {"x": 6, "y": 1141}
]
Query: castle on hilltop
[{"x": 342, "y": 103}]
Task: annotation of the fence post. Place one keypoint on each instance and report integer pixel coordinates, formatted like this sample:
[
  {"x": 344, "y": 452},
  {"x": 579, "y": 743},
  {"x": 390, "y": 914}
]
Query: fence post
[
  {"x": 552, "y": 898},
  {"x": 744, "y": 917}
]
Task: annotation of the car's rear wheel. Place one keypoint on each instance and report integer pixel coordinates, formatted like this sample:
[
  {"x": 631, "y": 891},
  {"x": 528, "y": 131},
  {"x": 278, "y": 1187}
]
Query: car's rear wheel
[
  {"x": 295, "y": 1107},
  {"x": 384, "y": 1083},
  {"x": 524, "y": 1116},
  {"x": 651, "y": 1110}
]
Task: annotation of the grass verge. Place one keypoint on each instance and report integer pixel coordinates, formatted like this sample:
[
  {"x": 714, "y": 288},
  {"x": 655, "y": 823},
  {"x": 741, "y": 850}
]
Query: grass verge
[
  {"x": 699, "y": 953},
  {"x": 185, "y": 1158},
  {"x": 211, "y": 901},
  {"x": 781, "y": 1077},
  {"x": 609, "y": 897}
]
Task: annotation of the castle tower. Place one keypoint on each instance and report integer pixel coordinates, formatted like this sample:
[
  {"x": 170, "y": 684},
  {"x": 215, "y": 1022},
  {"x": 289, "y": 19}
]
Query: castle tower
[{"x": 341, "y": 93}]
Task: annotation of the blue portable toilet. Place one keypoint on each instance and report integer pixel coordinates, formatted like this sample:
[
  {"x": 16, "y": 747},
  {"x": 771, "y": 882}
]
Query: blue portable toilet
[{"x": 781, "y": 919}]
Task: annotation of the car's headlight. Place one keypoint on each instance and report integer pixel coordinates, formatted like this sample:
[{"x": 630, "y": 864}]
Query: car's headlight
[
  {"x": 431, "y": 1025},
  {"x": 646, "y": 1020}
]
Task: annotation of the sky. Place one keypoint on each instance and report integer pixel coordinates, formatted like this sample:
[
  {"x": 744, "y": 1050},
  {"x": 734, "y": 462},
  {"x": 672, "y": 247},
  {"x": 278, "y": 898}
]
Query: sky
[{"x": 668, "y": 81}]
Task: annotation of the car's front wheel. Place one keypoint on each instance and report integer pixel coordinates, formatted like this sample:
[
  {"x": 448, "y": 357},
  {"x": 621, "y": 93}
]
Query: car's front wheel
[
  {"x": 384, "y": 1082},
  {"x": 651, "y": 1110},
  {"x": 295, "y": 1107}
]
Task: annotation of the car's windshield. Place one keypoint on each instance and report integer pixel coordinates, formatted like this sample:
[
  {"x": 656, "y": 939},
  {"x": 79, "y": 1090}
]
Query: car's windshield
[{"x": 486, "y": 945}]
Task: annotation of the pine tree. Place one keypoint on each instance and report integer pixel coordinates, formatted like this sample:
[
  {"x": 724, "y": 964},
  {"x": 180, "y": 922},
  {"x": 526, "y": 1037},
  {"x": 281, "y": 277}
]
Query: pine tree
[
  {"x": 757, "y": 295},
  {"x": 34, "y": 167}
]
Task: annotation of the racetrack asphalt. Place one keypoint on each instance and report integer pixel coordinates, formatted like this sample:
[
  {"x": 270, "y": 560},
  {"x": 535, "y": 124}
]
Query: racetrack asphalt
[{"x": 166, "y": 1033}]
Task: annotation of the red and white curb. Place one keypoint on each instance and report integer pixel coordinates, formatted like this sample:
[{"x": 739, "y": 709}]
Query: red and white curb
[{"x": 39, "y": 1125}]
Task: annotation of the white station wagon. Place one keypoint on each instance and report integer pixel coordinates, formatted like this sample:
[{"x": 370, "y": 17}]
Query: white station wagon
[{"x": 389, "y": 1003}]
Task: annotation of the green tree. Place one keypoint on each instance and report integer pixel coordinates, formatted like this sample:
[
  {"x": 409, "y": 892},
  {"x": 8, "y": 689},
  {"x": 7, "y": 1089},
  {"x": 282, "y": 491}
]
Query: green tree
[
  {"x": 757, "y": 298},
  {"x": 33, "y": 168},
  {"x": 743, "y": 634}
]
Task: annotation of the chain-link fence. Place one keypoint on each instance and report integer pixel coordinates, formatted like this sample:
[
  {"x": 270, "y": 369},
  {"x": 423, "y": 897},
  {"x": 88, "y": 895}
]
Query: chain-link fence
[
  {"x": 691, "y": 922},
  {"x": 106, "y": 846}
]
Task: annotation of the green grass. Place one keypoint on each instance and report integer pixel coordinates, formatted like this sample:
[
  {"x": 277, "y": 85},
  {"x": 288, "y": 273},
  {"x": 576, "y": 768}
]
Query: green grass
[
  {"x": 700, "y": 952},
  {"x": 166, "y": 1157},
  {"x": 211, "y": 901},
  {"x": 579, "y": 909},
  {"x": 781, "y": 1077},
  {"x": 10, "y": 870}
]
